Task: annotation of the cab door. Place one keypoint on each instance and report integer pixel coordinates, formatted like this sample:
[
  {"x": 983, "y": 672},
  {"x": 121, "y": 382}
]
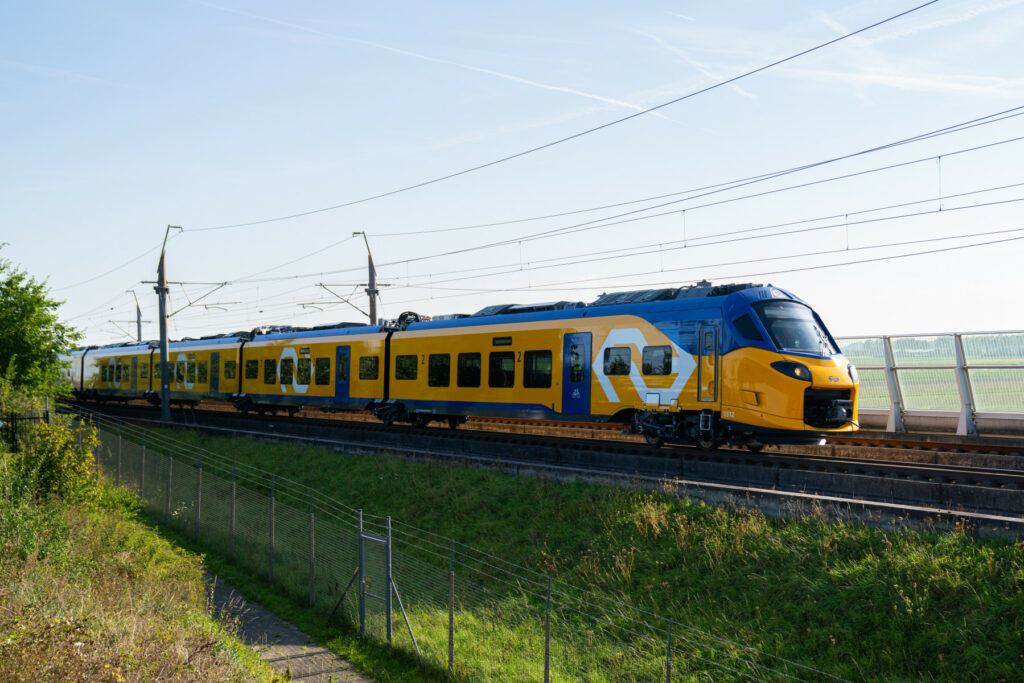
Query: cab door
[
  {"x": 707, "y": 373},
  {"x": 576, "y": 374},
  {"x": 341, "y": 374}
]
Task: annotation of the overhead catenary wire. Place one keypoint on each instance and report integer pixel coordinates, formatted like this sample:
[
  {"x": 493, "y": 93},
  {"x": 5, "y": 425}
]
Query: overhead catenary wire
[{"x": 577, "y": 135}]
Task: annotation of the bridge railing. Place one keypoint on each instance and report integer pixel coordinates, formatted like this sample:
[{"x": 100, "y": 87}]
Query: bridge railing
[{"x": 971, "y": 380}]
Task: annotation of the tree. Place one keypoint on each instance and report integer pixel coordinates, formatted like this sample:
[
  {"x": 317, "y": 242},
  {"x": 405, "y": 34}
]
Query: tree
[{"x": 31, "y": 335}]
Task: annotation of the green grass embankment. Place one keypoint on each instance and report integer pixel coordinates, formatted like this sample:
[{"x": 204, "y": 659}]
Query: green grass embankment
[
  {"x": 88, "y": 592},
  {"x": 843, "y": 598}
]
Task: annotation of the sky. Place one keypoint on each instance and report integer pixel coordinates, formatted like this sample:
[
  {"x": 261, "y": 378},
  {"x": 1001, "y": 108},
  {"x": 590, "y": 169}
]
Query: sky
[{"x": 303, "y": 122}]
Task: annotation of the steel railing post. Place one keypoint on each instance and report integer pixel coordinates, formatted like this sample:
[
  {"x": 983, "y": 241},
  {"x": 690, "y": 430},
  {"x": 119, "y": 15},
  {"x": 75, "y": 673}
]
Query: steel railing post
[
  {"x": 272, "y": 506},
  {"x": 312, "y": 550},
  {"x": 142, "y": 469},
  {"x": 362, "y": 581},
  {"x": 966, "y": 425},
  {"x": 231, "y": 523},
  {"x": 451, "y": 613},
  {"x": 668, "y": 656},
  {"x": 117, "y": 477},
  {"x": 387, "y": 581},
  {"x": 895, "y": 423},
  {"x": 170, "y": 475},
  {"x": 199, "y": 496},
  {"x": 547, "y": 637}
]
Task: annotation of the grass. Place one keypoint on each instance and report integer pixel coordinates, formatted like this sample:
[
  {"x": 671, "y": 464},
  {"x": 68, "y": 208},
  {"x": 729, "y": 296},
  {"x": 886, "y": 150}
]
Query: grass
[
  {"x": 90, "y": 592},
  {"x": 842, "y": 598}
]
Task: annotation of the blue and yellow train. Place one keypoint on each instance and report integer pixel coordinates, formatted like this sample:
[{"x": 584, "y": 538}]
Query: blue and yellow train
[{"x": 729, "y": 364}]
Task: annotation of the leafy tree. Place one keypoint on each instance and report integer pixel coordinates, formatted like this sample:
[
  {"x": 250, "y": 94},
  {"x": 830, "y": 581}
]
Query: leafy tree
[{"x": 31, "y": 335}]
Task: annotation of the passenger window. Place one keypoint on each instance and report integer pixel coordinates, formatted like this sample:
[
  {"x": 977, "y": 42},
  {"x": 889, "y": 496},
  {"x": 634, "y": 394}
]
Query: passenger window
[
  {"x": 657, "y": 360},
  {"x": 229, "y": 369},
  {"x": 502, "y": 370},
  {"x": 747, "y": 329},
  {"x": 144, "y": 371},
  {"x": 190, "y": 372},
  {"x": 287, "y": 370},
  {"x": 304, "y": 369},
  {"x": 369, "y": 368},
  {"x": 269, "y": 371},
  {"x": 439, "y": 370},
  {"x": 537, "y": 369},
  {"x": 617, "y": 361},
  {"x": 576, "y": 363},
  {"x": 469, "y": 370},
  {"x": 103, "y": 373},
  {"x": 322, "y": 371},
  {"x": 156, "y": 370},
  {"x": 179, "y": 371},
  {"x": 117, "y": 372},
  {"x": 405, "y": 367},
  {"x": 252, "y": 369},
  {"x": 342, "y": 375},
  {"x": 201, "y": 372}
]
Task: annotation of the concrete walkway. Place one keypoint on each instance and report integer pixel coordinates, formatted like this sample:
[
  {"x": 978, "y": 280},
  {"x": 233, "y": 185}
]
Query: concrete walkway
[{"x": 287, "y": 649}]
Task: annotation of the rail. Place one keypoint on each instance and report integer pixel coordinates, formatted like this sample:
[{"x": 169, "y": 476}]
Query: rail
[{"x": 930, "y": 382}]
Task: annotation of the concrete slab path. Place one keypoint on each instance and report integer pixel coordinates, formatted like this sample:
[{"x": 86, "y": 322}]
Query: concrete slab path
[{"x": 287, "y": 649}]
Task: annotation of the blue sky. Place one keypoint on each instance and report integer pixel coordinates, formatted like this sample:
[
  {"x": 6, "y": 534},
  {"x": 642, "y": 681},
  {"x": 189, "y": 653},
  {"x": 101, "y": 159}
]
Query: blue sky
[{"x": 120, "y": 118}]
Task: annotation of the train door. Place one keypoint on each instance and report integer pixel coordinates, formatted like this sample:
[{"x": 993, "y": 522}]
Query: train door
[
  {"x": 341, "y": 377},
  {"x": 215, "y": 372},
  {"x": 576, "y": 374},
  {"x": 707, "y": 373},
  {"x": 135, "y": 374}
]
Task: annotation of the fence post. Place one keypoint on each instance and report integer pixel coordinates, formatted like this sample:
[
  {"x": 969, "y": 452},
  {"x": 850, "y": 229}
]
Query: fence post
[
  {"x": 272, "y": 505},
  {"x": 170, "y": 473},
  {"x": 966, "y": 425},
  {"x": 142, "y": 469},
  {"x": 312, "y": 549},
  {"x": 668, "y": 656},
  {"x": 547, "y": 637},
  {"x": 117, "y": 477},
  {"x": 362, "y": 581},
  {"x": 231, "y": 532},
  {"x": 387, "y": 582},
  {"x": 199, "y": 496},
  {"x": 451, "y": 613},
  {"x": 895, "y": 423}
]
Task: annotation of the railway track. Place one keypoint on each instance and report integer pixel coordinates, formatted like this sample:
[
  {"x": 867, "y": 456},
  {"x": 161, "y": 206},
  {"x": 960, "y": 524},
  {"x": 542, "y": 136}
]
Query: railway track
[{"x": 927, "y": 486}]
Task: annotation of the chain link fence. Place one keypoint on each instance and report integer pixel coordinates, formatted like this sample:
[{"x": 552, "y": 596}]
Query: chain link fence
[{"x": 460, "y": 610}]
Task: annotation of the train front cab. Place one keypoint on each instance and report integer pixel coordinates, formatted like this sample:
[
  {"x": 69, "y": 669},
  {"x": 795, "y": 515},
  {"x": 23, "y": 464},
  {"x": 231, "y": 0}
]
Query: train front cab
[{"x": 784, "y": 380}]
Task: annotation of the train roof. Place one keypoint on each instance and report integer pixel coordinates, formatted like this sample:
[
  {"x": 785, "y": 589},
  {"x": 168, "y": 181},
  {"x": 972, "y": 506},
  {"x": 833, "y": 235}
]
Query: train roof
[{"x": 615, "y": 303}]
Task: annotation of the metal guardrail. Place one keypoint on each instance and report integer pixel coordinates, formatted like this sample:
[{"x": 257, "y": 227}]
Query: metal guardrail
[{"x": 927, "y": 381}]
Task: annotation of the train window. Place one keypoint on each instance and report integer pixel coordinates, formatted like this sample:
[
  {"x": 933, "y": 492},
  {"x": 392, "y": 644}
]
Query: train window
[
  {"x": 657, "y": 360},
  {"x": 502, "y": 341},
  {"x": 269, "y": 371},
  {"x": 469, "y": 370},
  {"x": 190, "y": 371},
  {"x": 103, "y": 373},
  {"x": 229, "y": 369},
  {"x": 537, "y": 369},
  {"x": 179, "y": 371},
  {"x": 617, "y": 361},
  {"x": 117, "y": 372},
  {"x": 287, "y": 370},
  {"x": 144, "y": 371},
  {"x": 747, "y": 329},
  {"x": 322, "y": 375},
  {"x": 405, "y": 367},
  {"x": 201, "y": 372},
  {"x": 502, "y": 370},
  {"x": 252, "y": 369},
  {"x": 156, "y": 370},
  {"x": 303, "y": 370},
  {"x": 368, "y": 368},
  {"x": 576, "y": 363},
  {"x": 439, "y": 370}
]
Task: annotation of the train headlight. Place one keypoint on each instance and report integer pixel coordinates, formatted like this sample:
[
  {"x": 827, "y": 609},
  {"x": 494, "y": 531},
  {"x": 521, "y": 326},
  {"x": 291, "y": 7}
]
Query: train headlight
[
  {"x": 852, "y": 369},
  {"x": 794, "y": 370}
]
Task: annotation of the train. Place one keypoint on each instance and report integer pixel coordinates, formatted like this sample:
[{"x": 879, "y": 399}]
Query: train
[{"x": 727, "y": 364}]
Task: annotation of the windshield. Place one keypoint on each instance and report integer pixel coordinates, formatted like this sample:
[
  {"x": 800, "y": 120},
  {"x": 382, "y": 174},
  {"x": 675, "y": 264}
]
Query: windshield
[{"x": 793, "y": 327}]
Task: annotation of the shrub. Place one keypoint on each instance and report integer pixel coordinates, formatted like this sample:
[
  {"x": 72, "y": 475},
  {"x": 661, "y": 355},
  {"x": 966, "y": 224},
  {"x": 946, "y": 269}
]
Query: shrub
[{"x": 57, "y": 461}]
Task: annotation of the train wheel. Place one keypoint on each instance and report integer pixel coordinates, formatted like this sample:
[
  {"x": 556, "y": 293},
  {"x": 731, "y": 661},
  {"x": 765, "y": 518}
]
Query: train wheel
[
  {"x": 708, "y": 445},
  {"x": 453, "y": 423},
  {"x": 655, "y": 441},
  {"x": 755, "y": 447}
]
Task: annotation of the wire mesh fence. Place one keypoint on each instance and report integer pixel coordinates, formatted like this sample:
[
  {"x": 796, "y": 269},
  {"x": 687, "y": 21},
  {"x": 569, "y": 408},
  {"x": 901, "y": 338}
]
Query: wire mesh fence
[{"x": 460, "y": 610}]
